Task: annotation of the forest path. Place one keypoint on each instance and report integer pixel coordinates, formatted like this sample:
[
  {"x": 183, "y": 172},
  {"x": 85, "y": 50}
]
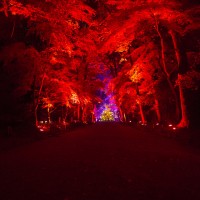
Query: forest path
[{"x": 101, "y": 162}]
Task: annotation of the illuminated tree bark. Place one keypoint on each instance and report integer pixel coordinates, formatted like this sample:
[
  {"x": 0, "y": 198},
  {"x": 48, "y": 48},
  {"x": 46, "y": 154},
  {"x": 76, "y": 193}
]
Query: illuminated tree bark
[
  {"x": 167, "y": 75},
  {"x": 184, "y": 117},
  {"x": 184, "y": 122},
  {"x": 37, "y": 101},
  {"x": 121, "y": 114},
  {"x": 157, "y": 110},
  {"x": 78, "y": 112},
  {"x": 49, "y": 114},
  {"x": 141, "y": 112},
  {"x": 83, "y": 118}
]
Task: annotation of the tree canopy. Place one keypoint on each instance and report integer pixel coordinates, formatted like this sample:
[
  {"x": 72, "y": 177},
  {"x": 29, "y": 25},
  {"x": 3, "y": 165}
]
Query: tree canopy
[{"x": 63, "y": 54}]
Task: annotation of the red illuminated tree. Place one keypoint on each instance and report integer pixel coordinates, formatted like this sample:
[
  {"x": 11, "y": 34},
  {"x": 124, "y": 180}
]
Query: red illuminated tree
[
  {"x": 77, "y": 41},
  {"x": 161, "y": 20}
]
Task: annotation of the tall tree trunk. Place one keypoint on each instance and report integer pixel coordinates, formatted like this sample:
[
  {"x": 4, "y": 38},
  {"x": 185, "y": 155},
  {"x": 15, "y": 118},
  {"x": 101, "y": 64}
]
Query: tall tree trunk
[
  {"x": 141, "y": 112},
  {"x": 49, "y": 115},
  {"x": 164, "y": 67},
  {"x": 157, "y": 110},
  {"x": 124, "y": 117},
  {"x": 36, "y": 116},
  {"x": 84, "y": 114},
  {"x": 13, "y": 30},
  {"x": 121, "y": 114},
  {"x": 184, "y": 122},
  {"x": 167, "y": 75},
  {"x": 37, "y": 101},
  {"x": 78, "y": 112}
]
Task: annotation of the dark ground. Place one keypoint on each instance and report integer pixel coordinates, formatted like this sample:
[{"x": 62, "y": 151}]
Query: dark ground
[{"x": 101, "y": 162}]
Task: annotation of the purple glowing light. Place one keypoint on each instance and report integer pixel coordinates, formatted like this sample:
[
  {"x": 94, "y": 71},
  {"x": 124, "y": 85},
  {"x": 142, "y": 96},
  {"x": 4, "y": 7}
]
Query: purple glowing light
[{"x": 108, "y": 103}]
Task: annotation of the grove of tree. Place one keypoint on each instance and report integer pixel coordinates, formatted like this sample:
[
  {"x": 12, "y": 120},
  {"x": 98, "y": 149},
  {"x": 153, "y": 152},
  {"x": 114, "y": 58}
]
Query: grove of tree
[{"x": 58, "y": 56}]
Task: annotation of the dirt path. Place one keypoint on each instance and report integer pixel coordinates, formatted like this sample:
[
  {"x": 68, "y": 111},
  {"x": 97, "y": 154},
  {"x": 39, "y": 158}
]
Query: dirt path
[{"x": 101, "y": 162}]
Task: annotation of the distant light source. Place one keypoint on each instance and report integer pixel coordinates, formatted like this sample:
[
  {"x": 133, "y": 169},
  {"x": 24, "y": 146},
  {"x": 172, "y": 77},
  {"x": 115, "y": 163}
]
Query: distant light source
[
  {"x": 170, "y": 125},
  {"x": 157, "y": 124},
  {"x": 41, "y": 129},
  {"x": 174, "y": 128},
  {"x": 130, "y": 121}
]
